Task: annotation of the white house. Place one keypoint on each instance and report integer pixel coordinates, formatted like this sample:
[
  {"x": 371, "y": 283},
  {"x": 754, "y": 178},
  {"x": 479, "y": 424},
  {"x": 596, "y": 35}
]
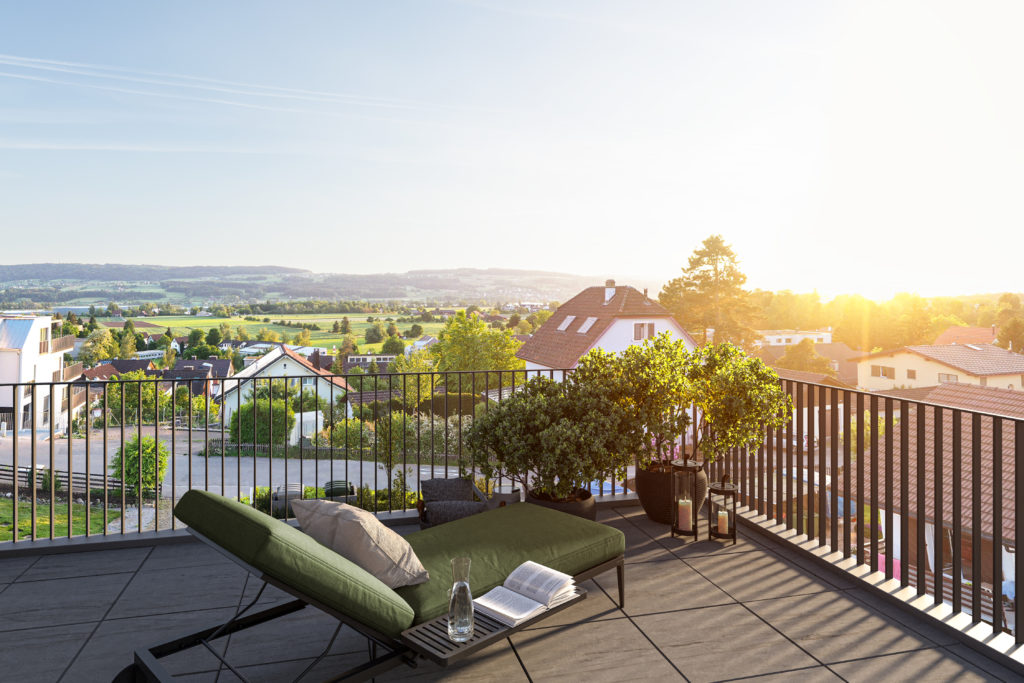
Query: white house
[
  {"x": 281, "y": 362},
  {"x": 609, "y": 318},
  {"x": 30, "y": 353},
  {"x": 421, "y": 344},
  {"x": 792, "y": 337}
]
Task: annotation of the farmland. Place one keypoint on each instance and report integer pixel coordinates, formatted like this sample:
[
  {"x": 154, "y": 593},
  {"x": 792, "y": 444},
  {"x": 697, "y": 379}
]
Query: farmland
[{"x": 182, "y": 325}]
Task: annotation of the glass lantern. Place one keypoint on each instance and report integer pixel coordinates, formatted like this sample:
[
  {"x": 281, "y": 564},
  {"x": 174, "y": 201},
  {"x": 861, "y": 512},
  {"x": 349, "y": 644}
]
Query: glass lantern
[
  {"x": 684, "y": 495},
  {"x": 722, "y": 509}
]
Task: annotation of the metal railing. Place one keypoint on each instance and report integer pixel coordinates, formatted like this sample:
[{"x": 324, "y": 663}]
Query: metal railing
[
  {"x": 921, "y": 493},
  {"x": 925, "y": 494}
]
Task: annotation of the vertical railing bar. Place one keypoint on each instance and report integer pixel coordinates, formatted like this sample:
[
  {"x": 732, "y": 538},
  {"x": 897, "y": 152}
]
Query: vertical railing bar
[
  {"x": 106, "y": 484},
  {"x": 810, "y": 424},
  {"x": 781, "y": 483},
  {"x": 174, "y": 430},
  {"x": 285, "y": 436},
  {"x": 874, "y": 482},
  {"x": 156, "y": 449},
  {"x": 940, "y": 527},
  {"x": 860, "y": 478},
  {"x": 255, "y": 416},
  {"x": 847, "y": 472},
  {"x": 834, "y": 453},
  {"x": 922, "y": 552},
  {"x": 16, "y": 397},
  {"x": 32, "y": 446},
  {"x": 798, "y": 471},
  {"x": 53, "y": 468},
  {"x": 997, "y": 524},
  {"x": 889, "y": 508},
  {"x": 138, "y": 439},
  {"x": 206, "y": 436},
  {"x": 976, "y": 517},
  {"x": 1018, "y": 522},
  {"x": 188, "y": 412},
  {"x": 904, "y": 494},
  {"x": 124, "y": 454},
  {"x": 958, "y": 496},
  {"x": 71, "y": 479},
  {"x": 316, "y": 440},
  {"x": 822, "y": 465}
]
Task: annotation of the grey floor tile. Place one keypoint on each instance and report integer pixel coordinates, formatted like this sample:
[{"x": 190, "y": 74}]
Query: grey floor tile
[
  {"x": 834, "y": 627},
  {"x": 41, "y": 654},
  {"x": 932, "y": 665},
  {"x": 757, "y": 575},
  {"x": 300, "y": 635},
  {"x": 110, "y": 649},
  {"x": 495, "y": 663},
  {"x": 288, "y": 670},
  {"x": 180, "y": 590},
  {"x": 597, "y": 605},
  {"x": 12, "y": 567},
  {"x": 639, "y": 546},
  {"x": 703, "y": 643},
  {"x": 904, "y": 616},
  {"x": 984, "y": 663},
  {"x": 817, "y": 674},
  {"x": 834, "y": 577},
  {"x": 92, "y": 563},
  {"x": 663, "y": 586},
  {"x": 610, "y": 650},
  {"x": 59, "y": 601},
  {"x": 176, "y": 555}
]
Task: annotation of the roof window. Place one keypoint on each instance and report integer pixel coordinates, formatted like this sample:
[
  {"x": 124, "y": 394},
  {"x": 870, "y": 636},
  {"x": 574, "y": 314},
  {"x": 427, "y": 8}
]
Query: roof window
[
  {"x": 565, "y": 323},
  {"x": 587, "y": 324}
]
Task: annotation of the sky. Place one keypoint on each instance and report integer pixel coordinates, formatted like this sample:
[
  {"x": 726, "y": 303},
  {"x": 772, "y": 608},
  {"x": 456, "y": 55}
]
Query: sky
[{"x": 840, "y": 147}]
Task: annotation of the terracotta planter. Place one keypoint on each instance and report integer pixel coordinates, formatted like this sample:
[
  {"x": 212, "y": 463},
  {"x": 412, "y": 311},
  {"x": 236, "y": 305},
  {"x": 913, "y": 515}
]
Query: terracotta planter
[
  {"x": 584, "y": 507},
  {"x": 654, "y": 489}
]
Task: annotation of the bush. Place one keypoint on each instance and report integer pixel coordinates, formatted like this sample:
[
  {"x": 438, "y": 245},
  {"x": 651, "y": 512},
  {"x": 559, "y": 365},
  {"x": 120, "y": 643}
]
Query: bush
[
  {"x": 447, "y": 405},
  {"x": 283, "y": 421},
  {"x": 154, "y": 466}
]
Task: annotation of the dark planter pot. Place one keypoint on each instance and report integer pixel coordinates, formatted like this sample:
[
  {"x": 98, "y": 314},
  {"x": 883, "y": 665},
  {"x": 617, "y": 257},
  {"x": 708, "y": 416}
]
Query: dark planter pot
[
  {"x": 584, "y": 507},
  {"x": 654, "y": 489}
]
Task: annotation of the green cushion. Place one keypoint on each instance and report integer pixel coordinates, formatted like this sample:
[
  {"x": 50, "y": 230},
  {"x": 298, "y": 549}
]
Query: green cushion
[
  {"x": 295, "y": 559},
  {"x": 500, "y": 540}
]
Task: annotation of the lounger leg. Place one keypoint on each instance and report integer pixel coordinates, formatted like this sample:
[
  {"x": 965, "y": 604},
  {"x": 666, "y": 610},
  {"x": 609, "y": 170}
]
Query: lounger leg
[{"x": 620, "y": 570}]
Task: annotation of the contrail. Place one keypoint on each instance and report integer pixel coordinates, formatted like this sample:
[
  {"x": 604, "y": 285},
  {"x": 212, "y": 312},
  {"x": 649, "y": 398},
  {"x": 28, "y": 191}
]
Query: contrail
[{"x": 216, "y": 85}]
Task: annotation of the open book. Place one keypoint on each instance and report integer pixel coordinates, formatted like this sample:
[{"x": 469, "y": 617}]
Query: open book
[{"x": 530, "y": 589}]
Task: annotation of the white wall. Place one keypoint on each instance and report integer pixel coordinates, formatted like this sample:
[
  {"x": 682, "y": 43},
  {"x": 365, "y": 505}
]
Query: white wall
[
  {"x": 619, "y": 335},
  {"x": 281, "y": 368}
]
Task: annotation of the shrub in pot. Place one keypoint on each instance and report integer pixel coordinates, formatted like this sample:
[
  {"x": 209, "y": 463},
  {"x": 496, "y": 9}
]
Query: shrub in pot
[
  {"x": 658, "y": 401},
  {"x": 554, "y": 438}
]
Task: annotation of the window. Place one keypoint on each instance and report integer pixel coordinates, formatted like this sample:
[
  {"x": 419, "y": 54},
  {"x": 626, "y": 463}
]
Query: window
[
  {"x": 911, "y": 374},
  {"x": 883, "y": 371},
  {"x": 789, "y": 340},
  {"x": 945, "y": 378},
  {"x": 308, "y": 381},
  {"x": 643, "y": 331},
  {"x": 587, "y": 324},
  {"x": 565, "y": 323}
]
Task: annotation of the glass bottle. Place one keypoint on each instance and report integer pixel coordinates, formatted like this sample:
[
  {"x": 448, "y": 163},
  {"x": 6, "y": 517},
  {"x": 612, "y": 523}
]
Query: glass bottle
[{"x": 460, "y": 607}]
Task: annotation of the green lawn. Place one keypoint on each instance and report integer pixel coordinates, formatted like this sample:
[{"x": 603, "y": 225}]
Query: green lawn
[
  {"x": 182, "y": 325},
  {"x": 43, "y": 520}
]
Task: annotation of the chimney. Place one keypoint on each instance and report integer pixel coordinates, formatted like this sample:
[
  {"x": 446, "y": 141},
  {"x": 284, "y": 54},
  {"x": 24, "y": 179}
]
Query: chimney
[
  {"x": 645, "y": 292},
  {"x": 609, "y": 290}
]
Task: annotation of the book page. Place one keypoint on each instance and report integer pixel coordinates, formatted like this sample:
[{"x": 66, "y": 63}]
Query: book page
[
  {"x": 538, "y": 582},
  {"x": 508, "y": 607}
]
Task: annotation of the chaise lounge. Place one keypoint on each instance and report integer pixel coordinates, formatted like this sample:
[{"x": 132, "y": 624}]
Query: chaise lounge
[{"x": 497, "y": 541}]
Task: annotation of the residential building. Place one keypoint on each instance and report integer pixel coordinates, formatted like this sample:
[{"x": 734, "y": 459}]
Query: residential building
[
  {"x": 203, "y": 375},
  {"x": 30, "y": 352},
  {"x": 928, "y": 365},
  {"x": 421, "y": 344},
  {"x": 610, "y": 318},
  {"x": 957, "y": 334},
  {"x": 282, "y": 362},
  {"x": 840, "y": 358},
  {"x": 363, "y": 361},
  {"x": 791, "y": 337}
]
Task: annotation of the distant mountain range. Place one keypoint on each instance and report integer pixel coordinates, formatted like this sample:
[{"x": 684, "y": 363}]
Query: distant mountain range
[{"x": 83, "y": 283}]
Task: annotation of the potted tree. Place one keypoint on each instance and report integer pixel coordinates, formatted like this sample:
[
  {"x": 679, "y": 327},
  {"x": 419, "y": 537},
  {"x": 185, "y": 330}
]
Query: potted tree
[
  {"x": 658, "y": 400},
  {"x": 554, "y": 438},
  {"x": 734, "y": 397}
]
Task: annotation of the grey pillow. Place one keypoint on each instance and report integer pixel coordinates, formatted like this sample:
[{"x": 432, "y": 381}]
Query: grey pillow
[
  {"x": 441, "y": 511},
  {"x": 360, "y": 537},
  {"x": 456, "y": 488}
]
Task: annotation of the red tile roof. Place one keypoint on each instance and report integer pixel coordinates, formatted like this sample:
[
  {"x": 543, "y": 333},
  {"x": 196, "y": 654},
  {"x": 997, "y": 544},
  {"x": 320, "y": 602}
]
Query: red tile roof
[
  {"x": 554, "y": 348},
  {"x": 974, "y": 359},
  {"x": 812, "y": 377},
  {"x": 991, "y": 400},
  {"x": 956, "y": 334},
  {"x": 304, "y": 362}
]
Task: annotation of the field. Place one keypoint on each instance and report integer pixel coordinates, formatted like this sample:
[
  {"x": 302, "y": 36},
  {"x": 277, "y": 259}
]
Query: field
[{"x": 182, "y": 325}]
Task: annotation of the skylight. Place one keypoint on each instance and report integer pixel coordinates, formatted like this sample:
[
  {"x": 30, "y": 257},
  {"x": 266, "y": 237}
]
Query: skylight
[
  {"x": 565, "y": 323},
  {"x": 587, "y": 324}
]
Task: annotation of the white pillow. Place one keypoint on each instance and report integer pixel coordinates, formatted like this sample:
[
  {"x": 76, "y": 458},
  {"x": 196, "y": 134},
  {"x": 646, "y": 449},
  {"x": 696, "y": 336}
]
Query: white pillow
[{"x": 360, "y": 537}]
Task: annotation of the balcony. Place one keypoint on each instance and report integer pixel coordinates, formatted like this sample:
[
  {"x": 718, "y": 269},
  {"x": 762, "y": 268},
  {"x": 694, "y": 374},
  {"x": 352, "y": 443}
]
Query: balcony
[
  {"x": 804, "y": 593},
  {"x": 57, "y": 345}
]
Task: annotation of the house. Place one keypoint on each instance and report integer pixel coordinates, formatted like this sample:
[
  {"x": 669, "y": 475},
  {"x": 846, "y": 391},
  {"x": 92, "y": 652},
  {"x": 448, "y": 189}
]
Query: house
[
  {"x": 320, "y": 360},
  {"x": 928, "y": 365},
  {"x": 421, "y": 344},
  {"x": 838, "y": 354},
  {"x": 363, "y": 361},
  {"x": 123, "y": 365},
  {"x": 31, "y": 352},
  {"x": 957, "y": 334},
  {"x": 791, "y": 337},
  {"x": 179, "y": 343},
  {"x": 610, "y": 318},
  {"x": 203, "y": 375},
  {"x": 281, "y": 362}
]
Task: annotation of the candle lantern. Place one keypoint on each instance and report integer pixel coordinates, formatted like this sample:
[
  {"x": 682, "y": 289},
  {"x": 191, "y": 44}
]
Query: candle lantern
[
  {"x": 722, "y": 509},
  {"x": 684, "y": 496}
]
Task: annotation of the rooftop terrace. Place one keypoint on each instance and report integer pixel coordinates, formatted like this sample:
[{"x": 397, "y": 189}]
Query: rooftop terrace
[{"x": 696, "y": 611}]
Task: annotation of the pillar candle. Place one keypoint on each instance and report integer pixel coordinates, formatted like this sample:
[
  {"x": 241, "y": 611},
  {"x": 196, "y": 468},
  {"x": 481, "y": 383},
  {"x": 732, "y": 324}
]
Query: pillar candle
[
  {"x": 685, "y": 514},
  {"x": 723, "y": 522}
]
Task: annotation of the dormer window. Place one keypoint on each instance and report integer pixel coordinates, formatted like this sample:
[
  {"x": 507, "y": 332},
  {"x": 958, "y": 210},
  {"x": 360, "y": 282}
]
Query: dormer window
[
  {"x": 565, "y": 323},
  {"x": 643, "y": 331},
  {"x": 587, "y": 324}
]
